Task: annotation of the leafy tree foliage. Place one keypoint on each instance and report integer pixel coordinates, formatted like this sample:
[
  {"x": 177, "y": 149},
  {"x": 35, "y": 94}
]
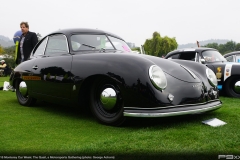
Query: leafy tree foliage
[
  {"x": 1, "y": 50},
  {"x": 9, "y": 51},
  {"x": 230, "y": 46},
  {"x": 237, "y": 47},
  {"x": 212, "y": 45},
  {"x": 147, "y": 46},
  {"x": 159, "y": 46}
]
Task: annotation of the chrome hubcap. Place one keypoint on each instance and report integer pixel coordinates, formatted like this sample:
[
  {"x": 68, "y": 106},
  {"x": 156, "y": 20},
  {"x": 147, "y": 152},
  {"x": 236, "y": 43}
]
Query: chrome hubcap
[
  {"x": 23, "y": 88},
  {"x": 108, "y": 98},
  {"x": 237, "y": 87}
]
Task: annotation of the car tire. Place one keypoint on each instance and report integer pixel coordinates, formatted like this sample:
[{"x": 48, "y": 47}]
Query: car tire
[
  {"x": 230, "y": 87},
  {"x": 107, "y": 108},
  {"x": 22, "y": 94}
]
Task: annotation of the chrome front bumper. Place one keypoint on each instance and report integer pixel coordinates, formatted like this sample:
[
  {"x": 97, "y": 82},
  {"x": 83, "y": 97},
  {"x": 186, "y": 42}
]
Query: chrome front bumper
[{"x": 172, "y": 110}]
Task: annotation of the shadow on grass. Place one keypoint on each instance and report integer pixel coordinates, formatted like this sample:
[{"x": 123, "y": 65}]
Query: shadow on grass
[
  {"x": 169, "y": 121},
  {"x": 131, "y": 122},
  {"x": 56, "y": 109},
  {"x": 63, "y": 110}
]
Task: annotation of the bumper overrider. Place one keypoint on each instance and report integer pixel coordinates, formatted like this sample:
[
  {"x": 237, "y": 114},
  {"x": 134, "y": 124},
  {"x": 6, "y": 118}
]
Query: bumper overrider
[{"x": 173, "y": 110}]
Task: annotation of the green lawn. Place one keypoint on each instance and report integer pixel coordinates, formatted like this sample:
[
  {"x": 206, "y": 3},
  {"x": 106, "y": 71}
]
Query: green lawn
[{"x": 48, "y": 129}]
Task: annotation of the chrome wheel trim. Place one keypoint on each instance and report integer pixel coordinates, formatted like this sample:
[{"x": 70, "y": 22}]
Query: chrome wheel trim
[
  {"x": 23, "y": 89},
  {"x": 237, "y": 87},
  {"x": 108, "y": 98}
]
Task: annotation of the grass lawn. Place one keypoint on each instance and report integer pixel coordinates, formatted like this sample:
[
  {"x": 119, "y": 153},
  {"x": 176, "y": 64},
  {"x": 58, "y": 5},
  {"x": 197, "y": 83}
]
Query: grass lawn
[{"x": 48, "y": 130}]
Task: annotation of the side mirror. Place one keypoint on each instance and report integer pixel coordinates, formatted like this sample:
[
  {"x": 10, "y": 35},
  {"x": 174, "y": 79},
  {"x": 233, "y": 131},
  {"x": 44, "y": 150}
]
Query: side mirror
[{"x": 203, "y": 61}]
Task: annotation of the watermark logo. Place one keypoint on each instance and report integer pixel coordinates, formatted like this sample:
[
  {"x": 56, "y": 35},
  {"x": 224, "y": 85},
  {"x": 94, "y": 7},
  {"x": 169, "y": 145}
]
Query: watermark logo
[{"x": 228, "y": 157}]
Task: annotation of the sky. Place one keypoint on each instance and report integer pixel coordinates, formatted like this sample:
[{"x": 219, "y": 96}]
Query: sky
[{"x": 133, "y": 20}]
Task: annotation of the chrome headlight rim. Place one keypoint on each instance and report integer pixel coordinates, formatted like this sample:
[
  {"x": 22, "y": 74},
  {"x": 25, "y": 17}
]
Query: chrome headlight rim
[
  {"x": 211, "y": 77},
  {"x": 154, "y": 79}
]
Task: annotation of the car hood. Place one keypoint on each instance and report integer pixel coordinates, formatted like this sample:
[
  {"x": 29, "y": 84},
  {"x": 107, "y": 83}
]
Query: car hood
[{"x": 174, "y": 69}]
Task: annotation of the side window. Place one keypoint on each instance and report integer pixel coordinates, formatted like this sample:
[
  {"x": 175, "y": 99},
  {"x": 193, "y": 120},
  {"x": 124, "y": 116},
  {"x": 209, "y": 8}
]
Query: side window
[
  {"x": 175, "y": 56},
  {"x": 56, "y": 46},
  {"x": 238, "y": 58},
  {"x": 40, "y": 48},
  {"x": 188, "y": 56},
  {"x": 230, "y": 59}
]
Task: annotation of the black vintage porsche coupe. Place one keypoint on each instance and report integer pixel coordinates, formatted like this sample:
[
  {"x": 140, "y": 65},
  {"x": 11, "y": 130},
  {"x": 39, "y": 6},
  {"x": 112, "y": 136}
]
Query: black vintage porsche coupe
[{"x": 94, "y": 68}]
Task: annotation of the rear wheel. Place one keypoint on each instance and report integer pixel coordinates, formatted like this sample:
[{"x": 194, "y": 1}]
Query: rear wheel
[
  {"x": 232, "y": 87},
  {"x": 22, "y": 94},
  {"x": 106, "y": 102}
]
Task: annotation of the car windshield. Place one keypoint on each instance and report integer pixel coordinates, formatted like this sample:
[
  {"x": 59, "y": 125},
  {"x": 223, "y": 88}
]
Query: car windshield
[
  {"x": 212, "y": 56},
  {"x": 81, "y": 42},
  {"x": 120, "y": 44}
]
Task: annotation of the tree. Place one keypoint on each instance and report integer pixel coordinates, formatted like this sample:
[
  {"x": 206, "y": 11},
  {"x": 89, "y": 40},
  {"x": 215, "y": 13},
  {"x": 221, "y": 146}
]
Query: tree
[
  {"x": 9, "y": 53},
  {"x": 212, "y": 45},
  {"x": 168, "y": 44},
  {"x": 237, "y": 47},
  {"x": 158, "y": 46},
  {"x": 221, "y": 48},
  {"x": 1, "y": 50},
  {"x": 147, "y": 46},
  {"x": 230, "y": 46}
]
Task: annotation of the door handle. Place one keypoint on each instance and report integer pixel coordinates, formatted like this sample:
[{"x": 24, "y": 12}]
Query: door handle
[{"x": 35, "y": 67}]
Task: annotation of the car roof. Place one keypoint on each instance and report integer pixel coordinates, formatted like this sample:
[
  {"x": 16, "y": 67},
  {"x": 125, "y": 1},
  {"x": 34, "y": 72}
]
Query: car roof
[
  {"x": 231, "y": 53},
  {"x": 196, "y": 49},
  {"x": 70, "y": 31}
]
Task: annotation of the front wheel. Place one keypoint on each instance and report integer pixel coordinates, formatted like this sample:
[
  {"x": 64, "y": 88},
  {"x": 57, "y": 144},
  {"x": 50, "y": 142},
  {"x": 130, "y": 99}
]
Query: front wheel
[
  {"x": 232, "y": 87},
  {"x": 22, "y": 94},
  {"x": 106, "y": 102}
]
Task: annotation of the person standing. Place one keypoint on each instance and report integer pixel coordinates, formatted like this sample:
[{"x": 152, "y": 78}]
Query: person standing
[{"x": 27, "y": 42}]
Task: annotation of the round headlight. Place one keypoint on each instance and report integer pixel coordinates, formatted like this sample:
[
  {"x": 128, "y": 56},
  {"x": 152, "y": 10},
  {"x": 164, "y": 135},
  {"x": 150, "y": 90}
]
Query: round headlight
[
  {"x": 211, "y": 77},
  {"x": 157, "y": 77}
]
